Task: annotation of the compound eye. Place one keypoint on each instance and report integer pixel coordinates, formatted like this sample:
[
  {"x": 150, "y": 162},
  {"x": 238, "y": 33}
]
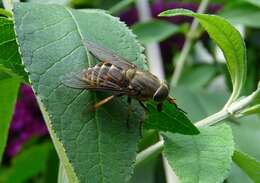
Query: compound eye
[{"x": 161, "y": 93}]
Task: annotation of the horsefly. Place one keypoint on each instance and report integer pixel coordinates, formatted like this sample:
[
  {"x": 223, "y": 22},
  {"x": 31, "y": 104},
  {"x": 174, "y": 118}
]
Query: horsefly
[{"x": 117, "y": 76}]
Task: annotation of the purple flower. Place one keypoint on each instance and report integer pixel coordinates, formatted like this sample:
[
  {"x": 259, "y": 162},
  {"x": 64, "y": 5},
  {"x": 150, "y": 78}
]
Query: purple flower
[{"x": 27, "y": 121}]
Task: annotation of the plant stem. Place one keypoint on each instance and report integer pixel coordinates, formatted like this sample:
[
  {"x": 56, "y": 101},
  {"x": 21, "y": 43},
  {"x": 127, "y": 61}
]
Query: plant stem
[
  {"x": 233, "y": 110},
  {"x": 187, "y": 46},
  {"x": 62, "y": 176},
  {"x": 151, "y": 151}
]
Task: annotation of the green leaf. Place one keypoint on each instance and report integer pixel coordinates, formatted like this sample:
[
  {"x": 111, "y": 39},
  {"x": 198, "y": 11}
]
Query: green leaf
[
  {"x": 242, "y": 13},
  {"x": 9, "y": 87},
  {"x": 254, "y": 2},
  {"x": 9, "y": 56},
  {"x": 248, "y": 164},
  {"x": 255, "y": 106},
  {"x": 255, "y": 109},
  {"x": 27, "y": 164},
  {"x": 120, "y": 6},
  {"x": 246, "y": 129},
  {"x": 202, "y": 158},
  {"x": 236, "y": 175},
  {"x": 52, "y": 166},
  {"x": 5, "y": 12},
  {"x": 154, "y": 31},
  {"x": 201, "y": 74},
  {"x": 230, "y": 42},
  {"x": 169, "y": 119},
  {"x": 6, "y": 73},
  {"x": 93, "y": 146}
]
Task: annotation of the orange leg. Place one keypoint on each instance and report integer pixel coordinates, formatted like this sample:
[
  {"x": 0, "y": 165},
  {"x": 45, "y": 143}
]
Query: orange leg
[{"x": 105, "y": 100}]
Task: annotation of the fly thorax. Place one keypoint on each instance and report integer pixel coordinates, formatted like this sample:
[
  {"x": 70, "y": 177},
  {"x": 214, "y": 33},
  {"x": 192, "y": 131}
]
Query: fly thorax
[
  {"x": 130, "y": 73},
  {"x": 146, "y": 83}
]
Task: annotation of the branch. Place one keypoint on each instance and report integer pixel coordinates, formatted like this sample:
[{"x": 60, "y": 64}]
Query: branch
[
  {"x": 234, "y": 109},
  {"x": 187, "y": 46}
]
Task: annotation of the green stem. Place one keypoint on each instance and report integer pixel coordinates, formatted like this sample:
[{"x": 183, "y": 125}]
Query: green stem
[
  {"x": 233, "y": 110},
  {"x": 187, "y": 46},
  {"x": 151, "y": 151},
  {"x": 62, "y": 176}
]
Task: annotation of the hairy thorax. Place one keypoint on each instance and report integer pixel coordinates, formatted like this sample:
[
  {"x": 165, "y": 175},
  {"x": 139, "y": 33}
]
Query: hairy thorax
[{"x": 144, "y": 83}]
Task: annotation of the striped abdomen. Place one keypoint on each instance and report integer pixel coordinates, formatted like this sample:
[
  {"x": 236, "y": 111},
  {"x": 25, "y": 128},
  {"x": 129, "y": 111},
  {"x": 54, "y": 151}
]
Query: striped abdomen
[{"x": 105, "y": 75}]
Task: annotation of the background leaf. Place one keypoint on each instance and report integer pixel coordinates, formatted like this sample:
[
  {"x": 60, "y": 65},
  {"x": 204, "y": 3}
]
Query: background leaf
[
  {"x": 254, "y": 2},
  {"x": 154, "y": 31},
  {"x": 202, "y": 74},
  {"x": 228, "y": 39},
  {"x": 201, "y": 103},
  {"x": 254, "y": 108},
  {"x": 248, "y": 164},
  {"x": 9, "y": 87},
  {"x": 242, "y": 13},
  {"x": 169, "y": 119},
  {"x": 5, "y": 12},
  {"x": 27, "y": 164},
  {"x": 99, "y": 147},
  {"x": 202, "y": 158},
  {"x": 10, "y": 56}
]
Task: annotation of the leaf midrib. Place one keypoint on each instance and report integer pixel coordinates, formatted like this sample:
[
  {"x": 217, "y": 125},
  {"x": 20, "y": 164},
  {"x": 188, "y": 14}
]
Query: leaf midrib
[{"x": 94, "y": 98}]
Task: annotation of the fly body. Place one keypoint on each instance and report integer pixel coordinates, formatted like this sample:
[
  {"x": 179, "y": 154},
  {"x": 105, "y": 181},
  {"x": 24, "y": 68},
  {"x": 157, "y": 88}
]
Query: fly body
[{"x": 116, "y": 75}]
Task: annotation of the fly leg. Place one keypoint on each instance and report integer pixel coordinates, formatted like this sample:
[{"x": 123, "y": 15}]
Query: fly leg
[
  {"x": 93, "y": 108},
  {"x": 159, "y": 107},
  {"x": 105, "y": 100},
  {"x": 142, "y": 104},
  {"x": 129, "y": 111},
  {"x": 142, "y": 120}
]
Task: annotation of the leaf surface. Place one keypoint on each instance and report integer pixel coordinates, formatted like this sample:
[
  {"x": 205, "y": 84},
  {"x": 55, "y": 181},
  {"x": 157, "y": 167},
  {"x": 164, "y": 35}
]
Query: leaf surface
[
  {"x": 93, "y": 146},
  {"x": 9, "y": 87},
  {"x": 248, "y": 164},
  {"x": 246, "y": 129},
  {"x": 230, "y": 42},
  {"x": 202, "y": 158},
  {"x": 169, "y": 119},
  {"x": 154, "y": 31},
  {"x": 9, "y": 56},
  {"x": 26, "y": 164},
  {"x": 242, "y": 13}
]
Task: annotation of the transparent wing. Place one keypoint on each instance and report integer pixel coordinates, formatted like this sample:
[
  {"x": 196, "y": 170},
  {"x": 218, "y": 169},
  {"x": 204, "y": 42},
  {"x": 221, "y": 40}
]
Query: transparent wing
[
  {"x": 108, "y": 56},
  {"x": 78, "y": 82},
  {"x": 73, "y": 80}
]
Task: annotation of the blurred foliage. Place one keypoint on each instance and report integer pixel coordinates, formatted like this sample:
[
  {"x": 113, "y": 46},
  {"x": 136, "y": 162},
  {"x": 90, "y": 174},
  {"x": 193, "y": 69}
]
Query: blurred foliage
[
  {"x": 8, "y": 82},
  {"x": 202, "y": 103},
  {"x": 202, "y": 158},
  {"x": 9, "y": 56},
  {"x": 34, "y": 164},
  {"x": 93, "y": 3},
  {"x": 154, "y": 31},
  {"x": 248, "y": 164}
]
